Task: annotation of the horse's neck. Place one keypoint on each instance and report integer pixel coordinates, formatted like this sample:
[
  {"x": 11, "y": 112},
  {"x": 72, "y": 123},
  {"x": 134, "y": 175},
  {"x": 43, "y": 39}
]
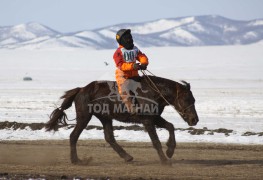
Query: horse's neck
[
  {"x": 164, "y": 86},
  {"x": 163, "y": 83}
]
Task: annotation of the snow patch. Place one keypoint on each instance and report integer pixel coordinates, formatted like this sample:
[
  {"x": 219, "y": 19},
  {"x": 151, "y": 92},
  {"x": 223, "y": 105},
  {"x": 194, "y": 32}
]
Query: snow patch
[
  {"x": 256, "y": 23},
  {"x": 226, "y": 81},
  {"x": 182, "y": 36}
]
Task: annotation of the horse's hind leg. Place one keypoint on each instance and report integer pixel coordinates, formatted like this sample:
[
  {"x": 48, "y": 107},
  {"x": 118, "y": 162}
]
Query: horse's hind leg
[
  {"x": 171, "y": 143},
  {"x": 82, "y": 121},
  {"x": 109, "y": 137}
]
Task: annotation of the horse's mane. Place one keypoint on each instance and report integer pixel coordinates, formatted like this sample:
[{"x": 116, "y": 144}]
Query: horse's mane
[{"x": 167, "y": 82}]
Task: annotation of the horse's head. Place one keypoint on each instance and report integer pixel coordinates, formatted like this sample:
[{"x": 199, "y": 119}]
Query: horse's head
[{"x": 184, "y": 103}]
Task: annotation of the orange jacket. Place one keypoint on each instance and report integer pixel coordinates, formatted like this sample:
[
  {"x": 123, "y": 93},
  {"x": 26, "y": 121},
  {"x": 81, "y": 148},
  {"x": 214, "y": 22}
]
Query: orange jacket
[{"x": 125, "y": 61}]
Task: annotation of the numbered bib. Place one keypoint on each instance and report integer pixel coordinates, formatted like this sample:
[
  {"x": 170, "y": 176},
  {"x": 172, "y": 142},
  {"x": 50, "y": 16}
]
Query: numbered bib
[{"x": 130, "y": 55}]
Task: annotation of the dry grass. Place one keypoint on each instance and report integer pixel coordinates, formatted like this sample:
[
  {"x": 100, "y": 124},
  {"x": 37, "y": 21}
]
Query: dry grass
[{"x": 50, "y": 159}]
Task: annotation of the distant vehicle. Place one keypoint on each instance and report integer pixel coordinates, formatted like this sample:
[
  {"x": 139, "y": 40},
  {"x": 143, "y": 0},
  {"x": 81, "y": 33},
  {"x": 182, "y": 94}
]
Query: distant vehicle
[{"x": 27, "y": 78}]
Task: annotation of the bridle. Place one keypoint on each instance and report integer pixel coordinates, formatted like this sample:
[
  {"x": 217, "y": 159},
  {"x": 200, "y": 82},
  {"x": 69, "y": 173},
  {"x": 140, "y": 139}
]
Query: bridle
[
  {"x": 182, "y": 111},
  {"x": 155, "y": 88}
]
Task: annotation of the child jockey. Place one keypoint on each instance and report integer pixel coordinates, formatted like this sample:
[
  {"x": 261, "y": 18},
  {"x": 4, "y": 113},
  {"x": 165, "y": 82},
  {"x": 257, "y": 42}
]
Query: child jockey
[{"x": 127, "y": 69}]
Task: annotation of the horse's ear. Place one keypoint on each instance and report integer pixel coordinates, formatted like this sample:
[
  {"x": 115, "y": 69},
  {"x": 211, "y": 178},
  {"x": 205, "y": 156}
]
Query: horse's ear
[{"x": 187, "y": 85}]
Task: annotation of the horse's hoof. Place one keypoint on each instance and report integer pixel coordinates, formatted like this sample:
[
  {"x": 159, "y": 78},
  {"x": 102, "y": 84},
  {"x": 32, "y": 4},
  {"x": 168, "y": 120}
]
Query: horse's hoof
[
  {"x": 128, "y": 159},
  {"x": 75, "y": 161},
  {"x": 170, "y": 153}
]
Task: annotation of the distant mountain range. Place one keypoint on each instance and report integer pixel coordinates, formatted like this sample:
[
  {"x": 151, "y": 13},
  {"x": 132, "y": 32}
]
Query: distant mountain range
[{"x": 185, "y": 31}]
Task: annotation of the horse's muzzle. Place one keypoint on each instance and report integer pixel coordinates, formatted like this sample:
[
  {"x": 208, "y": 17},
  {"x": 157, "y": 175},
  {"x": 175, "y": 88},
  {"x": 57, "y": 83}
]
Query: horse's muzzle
[{"x": 193, "y": 121}]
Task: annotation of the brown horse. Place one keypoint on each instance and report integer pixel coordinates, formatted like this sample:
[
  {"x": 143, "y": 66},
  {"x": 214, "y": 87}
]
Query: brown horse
[{"x": 101, "y": 99}]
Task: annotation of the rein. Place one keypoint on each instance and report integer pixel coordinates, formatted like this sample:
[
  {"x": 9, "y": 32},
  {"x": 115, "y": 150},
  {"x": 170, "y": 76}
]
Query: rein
[{"x": 155, "y": 88}]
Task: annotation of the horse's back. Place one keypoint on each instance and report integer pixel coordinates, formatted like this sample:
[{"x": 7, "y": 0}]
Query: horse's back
[{"x": 97, "y": 89}]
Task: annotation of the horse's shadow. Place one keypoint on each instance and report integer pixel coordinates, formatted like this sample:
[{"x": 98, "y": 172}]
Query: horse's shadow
[
  {"x": 219, "y": 162},
  {"x": 215, "y": 162}
]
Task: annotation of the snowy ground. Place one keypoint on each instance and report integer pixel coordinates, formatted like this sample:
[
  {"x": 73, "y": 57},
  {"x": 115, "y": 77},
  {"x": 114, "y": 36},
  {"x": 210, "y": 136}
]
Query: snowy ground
[{"x": 227, "y": 83}]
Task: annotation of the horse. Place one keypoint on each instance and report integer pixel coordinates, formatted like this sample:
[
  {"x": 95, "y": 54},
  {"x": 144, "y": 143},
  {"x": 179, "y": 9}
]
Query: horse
[{"x": 99, "y": 99}]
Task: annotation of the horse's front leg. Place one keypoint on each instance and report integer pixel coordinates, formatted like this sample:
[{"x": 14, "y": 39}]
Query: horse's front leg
[
  {"x": 109, "y": 137},
  {"x": 171, "y": 143},
  {"x": 150, "y": 128}
]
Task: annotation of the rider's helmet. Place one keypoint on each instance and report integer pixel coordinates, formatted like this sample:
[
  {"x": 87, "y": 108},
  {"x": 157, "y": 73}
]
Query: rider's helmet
[
  {"x": 124, "y": 38},
  {"x": 120, "y": 33}
]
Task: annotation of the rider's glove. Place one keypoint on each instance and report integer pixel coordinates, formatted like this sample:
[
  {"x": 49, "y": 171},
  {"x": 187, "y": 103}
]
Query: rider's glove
[
  {"x": 136, "y": 66},
  {"x": 143, "y": 67}
]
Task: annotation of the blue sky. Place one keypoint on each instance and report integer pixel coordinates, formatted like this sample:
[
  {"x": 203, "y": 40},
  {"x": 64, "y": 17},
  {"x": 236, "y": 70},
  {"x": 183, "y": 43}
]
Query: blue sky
[{"x": 75, "y": 15}]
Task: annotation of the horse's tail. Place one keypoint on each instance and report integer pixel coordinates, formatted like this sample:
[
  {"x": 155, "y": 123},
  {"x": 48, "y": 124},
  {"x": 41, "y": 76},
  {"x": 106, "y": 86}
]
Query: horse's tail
[{"x": 58, "y": 116}]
